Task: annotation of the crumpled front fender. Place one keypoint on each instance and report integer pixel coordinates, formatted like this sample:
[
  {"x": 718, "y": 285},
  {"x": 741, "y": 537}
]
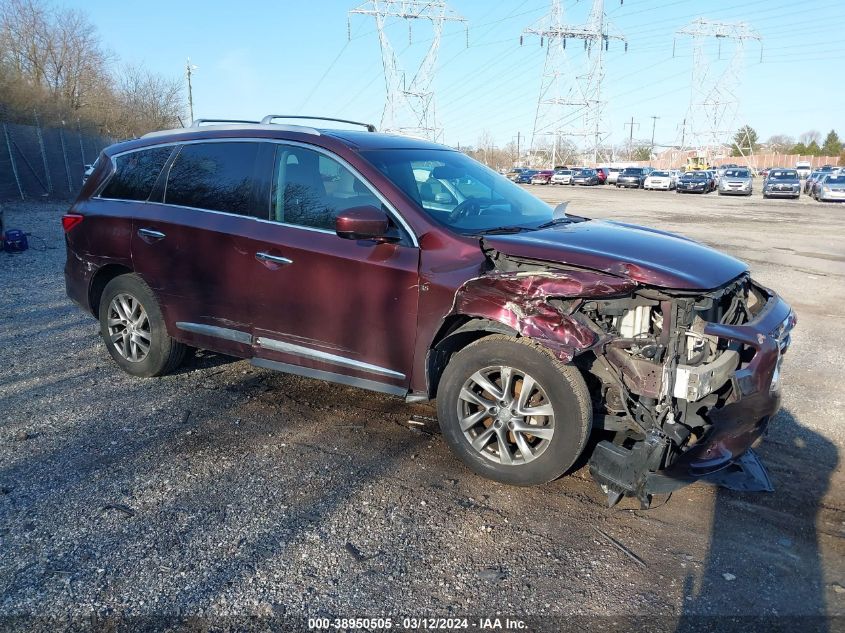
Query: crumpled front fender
[{"x": 521, "y": 300}]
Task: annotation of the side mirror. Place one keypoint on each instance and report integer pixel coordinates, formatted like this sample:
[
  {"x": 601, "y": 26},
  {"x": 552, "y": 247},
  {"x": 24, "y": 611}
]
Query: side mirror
[{"x": 362, "y": 223}]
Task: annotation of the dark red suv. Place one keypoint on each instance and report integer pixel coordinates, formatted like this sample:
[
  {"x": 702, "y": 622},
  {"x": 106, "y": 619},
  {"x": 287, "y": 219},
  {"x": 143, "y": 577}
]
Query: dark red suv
[{"x": 405, "y": 267}]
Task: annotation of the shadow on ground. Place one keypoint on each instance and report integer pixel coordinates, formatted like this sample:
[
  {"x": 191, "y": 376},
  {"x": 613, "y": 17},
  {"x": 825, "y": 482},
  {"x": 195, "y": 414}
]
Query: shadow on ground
[{"x": 768, "y": 543}]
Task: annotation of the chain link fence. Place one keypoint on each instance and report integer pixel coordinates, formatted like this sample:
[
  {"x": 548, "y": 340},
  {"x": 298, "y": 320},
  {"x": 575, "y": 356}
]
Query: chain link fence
[{"x": 38, "y": 163}]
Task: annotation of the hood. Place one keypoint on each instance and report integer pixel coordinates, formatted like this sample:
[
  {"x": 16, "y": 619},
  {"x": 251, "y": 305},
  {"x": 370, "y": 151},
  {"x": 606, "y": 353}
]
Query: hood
[{"x": 647, "y": 256}]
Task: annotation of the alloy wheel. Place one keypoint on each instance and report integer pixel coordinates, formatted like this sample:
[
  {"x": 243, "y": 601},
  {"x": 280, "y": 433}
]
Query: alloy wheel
[
  {"x": 129, "y": 328},
  {"x": 505, "y": 415}
]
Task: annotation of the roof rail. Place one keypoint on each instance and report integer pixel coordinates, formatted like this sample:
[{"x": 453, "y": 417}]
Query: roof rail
[
  {"x": 198, "y": 122},
  {"x": 270, "y": 117}
]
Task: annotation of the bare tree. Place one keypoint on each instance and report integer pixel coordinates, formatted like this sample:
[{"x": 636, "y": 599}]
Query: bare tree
[
  {"x": 511, "y": 155},
  {"x": 780, "y": 143},
  {"x": 808, "y": 137},
  {"x": 146, "y": 102},
  {"x": 52, "y": 61}
]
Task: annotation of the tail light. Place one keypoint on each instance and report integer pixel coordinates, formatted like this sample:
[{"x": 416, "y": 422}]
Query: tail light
[{"x": 70, "y": 220}]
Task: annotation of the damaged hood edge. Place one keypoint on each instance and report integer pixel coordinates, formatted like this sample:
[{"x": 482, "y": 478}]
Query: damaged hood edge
[{"x": 646, "y": 256}]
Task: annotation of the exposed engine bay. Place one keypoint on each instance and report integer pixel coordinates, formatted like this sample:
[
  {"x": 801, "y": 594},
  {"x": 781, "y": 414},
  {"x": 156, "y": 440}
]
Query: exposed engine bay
[{"x": 664, "y": 367}]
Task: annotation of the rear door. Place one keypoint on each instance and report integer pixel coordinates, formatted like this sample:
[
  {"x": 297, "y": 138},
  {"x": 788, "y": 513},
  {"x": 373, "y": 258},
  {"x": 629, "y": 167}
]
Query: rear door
[
  {"x": 322, "y": 305},
  {"x": 194, "y": 241}
]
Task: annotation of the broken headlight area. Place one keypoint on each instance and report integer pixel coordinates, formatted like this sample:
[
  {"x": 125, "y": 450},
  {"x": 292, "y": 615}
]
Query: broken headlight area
[{"x": 683, "y": 383}]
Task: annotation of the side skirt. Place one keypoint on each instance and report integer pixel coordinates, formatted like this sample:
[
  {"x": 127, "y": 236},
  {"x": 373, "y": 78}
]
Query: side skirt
[{"x": 342, "y": 379}]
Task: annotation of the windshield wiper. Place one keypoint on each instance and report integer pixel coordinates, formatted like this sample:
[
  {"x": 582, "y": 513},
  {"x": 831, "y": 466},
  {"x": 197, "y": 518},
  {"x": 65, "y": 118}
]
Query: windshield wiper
[
  {"x": 555, "y": 222},
  {"x": 505, "y": 229}
]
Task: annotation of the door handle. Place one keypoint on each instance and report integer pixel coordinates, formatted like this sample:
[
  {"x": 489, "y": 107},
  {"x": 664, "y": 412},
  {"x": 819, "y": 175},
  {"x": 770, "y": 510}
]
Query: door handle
[
  {"x": 151, "y": 235},
  {"x": 273, "y": 259}
]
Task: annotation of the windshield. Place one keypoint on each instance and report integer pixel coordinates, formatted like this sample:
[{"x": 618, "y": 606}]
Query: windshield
[
  {"x": 563, "y": 172},
  {"x": 659, "y": 174},
  {"x": 459, "y": 192},
  {"x": 783, "y": 175},
  {"x": 698, "y": 175},
  {"x": 736, "y": 173},
  {"x": 632, "y": 171},
  {"x": 835, "y": 180}
]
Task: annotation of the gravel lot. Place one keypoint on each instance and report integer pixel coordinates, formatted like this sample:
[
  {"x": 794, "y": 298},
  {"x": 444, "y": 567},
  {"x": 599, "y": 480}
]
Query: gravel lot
[{"x": 227, "y": 490}]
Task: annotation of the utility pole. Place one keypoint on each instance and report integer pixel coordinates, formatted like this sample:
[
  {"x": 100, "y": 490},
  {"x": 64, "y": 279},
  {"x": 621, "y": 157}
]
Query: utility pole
[
  {"x": 631, "y": 137},
  {"x": 189, "y": 69},
  {"x": 409, "y": 106},
  {"x": 653, "y": 125},
  {"x": 569, "y": 104}
]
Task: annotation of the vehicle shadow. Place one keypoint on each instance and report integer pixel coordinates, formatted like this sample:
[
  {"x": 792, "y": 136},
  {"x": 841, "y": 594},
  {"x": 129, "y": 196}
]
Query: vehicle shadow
[
  {"x": 204, "y": 359},
  {"x": 763, "y": 569}
]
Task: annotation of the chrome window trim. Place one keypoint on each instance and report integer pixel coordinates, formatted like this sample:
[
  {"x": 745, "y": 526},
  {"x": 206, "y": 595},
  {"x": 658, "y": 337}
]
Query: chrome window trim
[
  {"x": 231, "y": 215},
  {"x": 392, "y": 211}
]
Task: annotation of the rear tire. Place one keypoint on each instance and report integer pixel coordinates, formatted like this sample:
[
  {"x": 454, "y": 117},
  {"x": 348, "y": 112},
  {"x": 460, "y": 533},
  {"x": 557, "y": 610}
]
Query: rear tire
[
  {"x": 133, "y": 329},
  {"x": 493, "y": 431}
]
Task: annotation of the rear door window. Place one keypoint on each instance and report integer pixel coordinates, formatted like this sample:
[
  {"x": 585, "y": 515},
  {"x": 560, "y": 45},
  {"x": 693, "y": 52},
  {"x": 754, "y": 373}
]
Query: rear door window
[
  {"x": 220, "y": 177},
  {"x": 135, "y": 174}
]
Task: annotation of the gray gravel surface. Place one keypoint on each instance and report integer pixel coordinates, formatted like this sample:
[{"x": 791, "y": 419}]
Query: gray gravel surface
[{"x": 227, "y": 490}]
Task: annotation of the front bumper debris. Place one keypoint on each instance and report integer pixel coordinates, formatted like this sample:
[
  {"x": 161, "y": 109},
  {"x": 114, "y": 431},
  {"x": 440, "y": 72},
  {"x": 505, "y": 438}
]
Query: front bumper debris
[{"x": 718, "y": 456}]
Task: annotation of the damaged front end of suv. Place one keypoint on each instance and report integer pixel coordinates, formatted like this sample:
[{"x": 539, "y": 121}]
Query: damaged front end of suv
[{"x": 682, "y": 382}]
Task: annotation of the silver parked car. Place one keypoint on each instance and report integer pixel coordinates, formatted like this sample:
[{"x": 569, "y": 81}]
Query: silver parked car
[
  {"x": 782, "y": 183},
  {"x": 736, "y": 181},
  {"x": 831, "y": 188},
  {"x": 813, "y": 179}
]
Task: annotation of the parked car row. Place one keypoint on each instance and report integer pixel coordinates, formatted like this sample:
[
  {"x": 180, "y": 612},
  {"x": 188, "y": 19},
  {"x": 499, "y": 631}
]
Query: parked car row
[
  {"x": 824, "y": 184},
  {"x": 560, "y": 176}
]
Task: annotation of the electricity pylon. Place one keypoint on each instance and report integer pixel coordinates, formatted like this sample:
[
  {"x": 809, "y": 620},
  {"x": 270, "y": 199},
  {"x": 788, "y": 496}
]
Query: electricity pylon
[
  {"x": 409, "y": 105},
  {"x": 711, "y": 117},
  {"x": 570, "y": 104}
]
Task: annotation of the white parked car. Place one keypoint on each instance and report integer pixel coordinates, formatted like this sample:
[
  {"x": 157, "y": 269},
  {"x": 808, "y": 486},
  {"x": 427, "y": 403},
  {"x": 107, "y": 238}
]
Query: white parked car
[
  {"x": 659, "y": 180},
  {"x": 612, "y": 175},
  {"x": 562, "y": 177},
  {"x": 675, "y": 174}
]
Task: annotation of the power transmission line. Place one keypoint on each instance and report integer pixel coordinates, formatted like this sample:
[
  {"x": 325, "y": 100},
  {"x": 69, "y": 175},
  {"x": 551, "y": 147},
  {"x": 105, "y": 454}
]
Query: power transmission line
[
  {"x": 559, "y": 94},
  {"x": 409, "y": 105},
  {"x": 714, "y": 98}
]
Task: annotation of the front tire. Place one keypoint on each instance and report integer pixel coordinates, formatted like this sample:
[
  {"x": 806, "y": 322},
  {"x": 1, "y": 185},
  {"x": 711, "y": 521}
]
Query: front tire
[
  {"x": 133, "y": 329},
  {"x": 512, "y": 412}
]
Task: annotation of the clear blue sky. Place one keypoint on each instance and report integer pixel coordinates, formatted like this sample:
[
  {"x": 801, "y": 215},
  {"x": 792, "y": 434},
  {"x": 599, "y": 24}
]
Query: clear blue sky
[{"x": 258, "y": 57}]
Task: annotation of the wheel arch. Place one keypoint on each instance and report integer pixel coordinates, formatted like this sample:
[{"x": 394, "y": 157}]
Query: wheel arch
[
  {"x": 456, "y": 332},
  {"x": 99, "y": 282}
]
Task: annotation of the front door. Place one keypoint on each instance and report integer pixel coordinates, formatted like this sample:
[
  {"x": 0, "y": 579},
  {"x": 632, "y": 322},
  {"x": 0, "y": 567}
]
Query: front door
[{"x": 331, "y": 307}]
